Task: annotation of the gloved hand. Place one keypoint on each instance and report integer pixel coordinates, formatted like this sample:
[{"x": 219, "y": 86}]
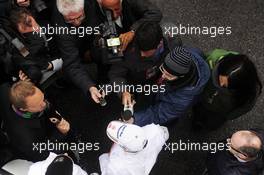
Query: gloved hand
[{"x": 57, "y": 64}]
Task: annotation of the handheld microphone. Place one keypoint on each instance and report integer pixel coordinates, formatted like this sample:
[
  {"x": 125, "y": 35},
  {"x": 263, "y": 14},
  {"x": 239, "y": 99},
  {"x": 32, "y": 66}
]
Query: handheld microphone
[
  {"x": 128, "y": 112},
  {"x": 102, "y": 101}
]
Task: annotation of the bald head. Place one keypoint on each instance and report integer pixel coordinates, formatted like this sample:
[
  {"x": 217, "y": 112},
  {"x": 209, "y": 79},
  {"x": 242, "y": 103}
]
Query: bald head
[
  {"x": 246, "y": 138},
  {"x": 246, "y": 142},
  {"x": 114, "y": 5},
  {"x": 108, "y": 3}
]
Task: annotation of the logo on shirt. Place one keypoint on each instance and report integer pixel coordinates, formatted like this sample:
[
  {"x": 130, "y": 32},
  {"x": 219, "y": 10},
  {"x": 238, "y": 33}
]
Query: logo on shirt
[{"x": 120, "y": 131}]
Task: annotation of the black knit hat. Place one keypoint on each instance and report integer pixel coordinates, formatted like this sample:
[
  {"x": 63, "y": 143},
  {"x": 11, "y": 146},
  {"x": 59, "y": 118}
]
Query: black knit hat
[
  {"x": 178, "y": 61},
  {"x": 61, "y": 165}
]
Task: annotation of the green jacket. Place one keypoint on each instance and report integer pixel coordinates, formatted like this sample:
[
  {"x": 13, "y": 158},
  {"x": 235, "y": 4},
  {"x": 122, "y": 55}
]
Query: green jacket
[
  {"x": 216, "y": 104},
  {"x": 213, "y": 57}
]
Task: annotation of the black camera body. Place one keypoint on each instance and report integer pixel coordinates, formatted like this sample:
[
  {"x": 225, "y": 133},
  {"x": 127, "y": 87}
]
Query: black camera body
[
  {"x": 39, "y": 5},
  {"x": 52, "y": 113},
  {"x": 109, "y": 41}
]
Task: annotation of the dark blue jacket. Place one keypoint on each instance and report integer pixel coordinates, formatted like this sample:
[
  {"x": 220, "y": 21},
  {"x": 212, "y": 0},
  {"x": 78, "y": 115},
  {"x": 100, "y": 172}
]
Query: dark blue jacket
[
  {"x": 175, "y": 103},
  {"x": 224, "y": 163}
]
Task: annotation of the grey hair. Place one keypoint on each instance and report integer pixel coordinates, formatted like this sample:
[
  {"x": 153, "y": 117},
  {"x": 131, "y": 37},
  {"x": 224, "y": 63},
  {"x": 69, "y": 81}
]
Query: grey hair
[{"x": 67, "y": 6}]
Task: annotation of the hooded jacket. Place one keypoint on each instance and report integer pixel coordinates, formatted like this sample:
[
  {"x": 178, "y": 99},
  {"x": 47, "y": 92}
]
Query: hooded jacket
[
  {"x": 175, "y": 102},
  {"x": 217, "y": 104}
]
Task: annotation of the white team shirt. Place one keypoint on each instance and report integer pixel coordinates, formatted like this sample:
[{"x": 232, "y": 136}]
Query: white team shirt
[{"x": 119, "y": 162}]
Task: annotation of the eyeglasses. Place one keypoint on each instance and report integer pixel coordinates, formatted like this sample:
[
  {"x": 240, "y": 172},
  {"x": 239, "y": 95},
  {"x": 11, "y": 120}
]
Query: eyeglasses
[
  {"x": 236, "y": 150},
  {"x": 79, "y": 19}
]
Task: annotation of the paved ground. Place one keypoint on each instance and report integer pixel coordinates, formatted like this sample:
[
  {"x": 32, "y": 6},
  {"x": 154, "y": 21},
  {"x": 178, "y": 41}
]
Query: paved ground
[{"x": 246, "y": 18}]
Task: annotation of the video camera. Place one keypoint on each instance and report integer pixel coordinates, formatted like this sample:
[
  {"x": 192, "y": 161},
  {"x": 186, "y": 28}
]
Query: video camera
[{"x": 109, "y": 41}]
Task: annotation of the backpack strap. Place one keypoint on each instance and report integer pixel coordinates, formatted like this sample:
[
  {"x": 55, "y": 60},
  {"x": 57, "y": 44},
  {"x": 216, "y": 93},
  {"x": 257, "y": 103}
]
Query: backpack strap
[{"x": 16, "y": 42}]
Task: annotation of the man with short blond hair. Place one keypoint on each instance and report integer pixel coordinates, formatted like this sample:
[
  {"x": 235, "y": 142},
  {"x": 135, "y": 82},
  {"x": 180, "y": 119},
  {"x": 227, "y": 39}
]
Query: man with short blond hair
[
  {"x": 26, "y": 97},
  {"x": 28, "y": 120},
  {"x": 20, "y": 91}
]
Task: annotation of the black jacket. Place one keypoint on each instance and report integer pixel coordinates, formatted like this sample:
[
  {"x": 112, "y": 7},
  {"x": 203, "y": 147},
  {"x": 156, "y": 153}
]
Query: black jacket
[
  {"x": 224, "y": 163},
  {"x": 23, "y": 132},
  {"x": 39, "y": 49},
  {"x": 72, "y": 47},
  {"x": 137, "y": 70},
  {"x": 217, "y": 105},
  {"x": 38, "y": 52},
  {"x": 135, "y": 12},
  {"x": 38, "y": 58}
]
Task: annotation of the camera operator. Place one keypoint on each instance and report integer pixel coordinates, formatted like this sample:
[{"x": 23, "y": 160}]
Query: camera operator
[
  {"x": 142, "y": 60},
  {"x": 128, "y": 15},
  {"x": 120, "y": 25},
  {"x": 78, "y": 14}
]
